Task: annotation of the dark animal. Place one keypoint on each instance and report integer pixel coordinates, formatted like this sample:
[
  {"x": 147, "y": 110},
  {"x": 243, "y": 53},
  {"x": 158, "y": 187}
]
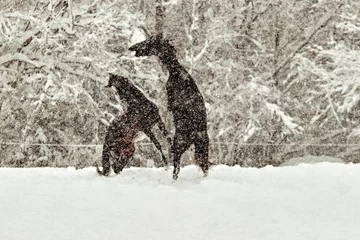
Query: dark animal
[
  {"x": 119, "y": 144},
  {"x": 184, "y": 101},
  {"x": 141, "y": 116}
]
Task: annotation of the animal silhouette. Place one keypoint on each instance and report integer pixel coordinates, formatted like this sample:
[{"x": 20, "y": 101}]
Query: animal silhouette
[
  {"x": 141, "y": 116},
  {"x": 184, "y": 101}
]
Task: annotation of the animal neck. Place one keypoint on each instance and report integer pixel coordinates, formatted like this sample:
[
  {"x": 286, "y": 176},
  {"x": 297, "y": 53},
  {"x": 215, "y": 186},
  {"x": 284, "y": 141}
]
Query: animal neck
[
  {"x": 170, "y": 62},
  {"x": 120, "y": 92},
  {"x": 123, "y": 95}
]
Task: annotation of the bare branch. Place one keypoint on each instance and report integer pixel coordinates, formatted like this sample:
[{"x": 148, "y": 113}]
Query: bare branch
[
  {"x": 322, "y": 23},
  {"x": 77, "y": 72},
  {"x": 146, "y": 31}
]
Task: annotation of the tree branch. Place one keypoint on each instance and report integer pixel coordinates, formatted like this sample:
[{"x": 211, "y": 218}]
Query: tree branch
[
  {"x": 322, "y": 23},
  {"x": 19, "y": 57}
]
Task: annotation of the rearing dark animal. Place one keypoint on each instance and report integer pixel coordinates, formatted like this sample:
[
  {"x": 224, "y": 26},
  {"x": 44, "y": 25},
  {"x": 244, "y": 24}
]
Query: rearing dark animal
[
  {"x": 184, "y": 101},
  {"x": 141, "y": 115}
]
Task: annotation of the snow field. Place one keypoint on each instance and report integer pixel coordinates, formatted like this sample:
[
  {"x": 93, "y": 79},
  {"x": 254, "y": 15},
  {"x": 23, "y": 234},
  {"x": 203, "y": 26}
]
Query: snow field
[{"x": 303, "y": 202}]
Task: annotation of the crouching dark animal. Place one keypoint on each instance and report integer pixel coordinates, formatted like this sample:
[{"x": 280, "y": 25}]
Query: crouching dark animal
[
  {"x": 141, "y": 116},
  {"x": 119, "y": 144},
  {"x": 184, "y": 101}
]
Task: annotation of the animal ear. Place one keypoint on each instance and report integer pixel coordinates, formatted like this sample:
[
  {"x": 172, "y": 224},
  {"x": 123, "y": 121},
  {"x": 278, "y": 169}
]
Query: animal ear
[{"x": 111, "y": 75}]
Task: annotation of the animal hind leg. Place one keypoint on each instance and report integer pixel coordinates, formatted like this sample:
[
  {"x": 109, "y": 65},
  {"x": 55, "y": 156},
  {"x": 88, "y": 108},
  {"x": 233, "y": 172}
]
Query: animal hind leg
[
  {"x": 181, "y": 143},
  {"x": 108, "y": 147},
  {"x": 202, "y": 151},
  {"x": 117, "y": 162},
  {"x": 105, "y": 160}
]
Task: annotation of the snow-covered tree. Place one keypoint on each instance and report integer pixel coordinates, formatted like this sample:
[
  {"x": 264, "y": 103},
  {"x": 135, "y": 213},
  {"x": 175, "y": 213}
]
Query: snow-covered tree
[{"x": 271, "y": 72}]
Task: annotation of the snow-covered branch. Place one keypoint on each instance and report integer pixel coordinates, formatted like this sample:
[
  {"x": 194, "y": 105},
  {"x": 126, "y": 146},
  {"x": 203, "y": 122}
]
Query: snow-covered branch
[{"x": 20, "y": 57}]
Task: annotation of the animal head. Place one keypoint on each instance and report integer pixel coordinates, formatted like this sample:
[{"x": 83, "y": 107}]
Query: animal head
[
  {"x": 117, "y": 81},
  {"x": 155, "y": 45}
]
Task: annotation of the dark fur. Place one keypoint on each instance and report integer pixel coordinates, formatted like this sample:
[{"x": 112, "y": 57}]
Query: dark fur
[
  {"x": 141, "y": 115},
  {"x": 184, "y": 101},
  {"x": 119, "y": 143}
]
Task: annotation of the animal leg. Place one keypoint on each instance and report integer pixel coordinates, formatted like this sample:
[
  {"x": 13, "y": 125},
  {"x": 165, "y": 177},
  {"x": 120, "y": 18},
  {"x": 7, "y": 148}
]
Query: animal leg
[
  {"x": 122, "y": 156},
  {"x": 119, "y": 164},
  {"x": 162, "y": 128},
  {"x": 181, "y": 143},
  {"x": 152, "y": 137},
  {"x": 108, "y": 147},
  {"x": 105, "y": 161},
  {"x": 202, "y": 151}
]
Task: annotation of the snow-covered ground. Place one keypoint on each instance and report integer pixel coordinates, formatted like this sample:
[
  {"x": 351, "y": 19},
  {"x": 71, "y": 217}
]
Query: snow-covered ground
[
  {"x": 306, "y": 202},
  {"x": 311, "y": 160}
]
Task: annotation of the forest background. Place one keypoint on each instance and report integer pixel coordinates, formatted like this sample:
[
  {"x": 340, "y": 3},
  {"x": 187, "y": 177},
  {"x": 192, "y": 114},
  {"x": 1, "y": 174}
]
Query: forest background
[{"x": 280, "y": 78}]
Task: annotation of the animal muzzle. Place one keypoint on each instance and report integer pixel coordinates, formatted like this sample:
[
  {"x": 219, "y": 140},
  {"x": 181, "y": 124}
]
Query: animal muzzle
[
  {"x": 138, "y": 53},
  {"x": 137, "y": 49},
  {"x": 133, "y": 48}
]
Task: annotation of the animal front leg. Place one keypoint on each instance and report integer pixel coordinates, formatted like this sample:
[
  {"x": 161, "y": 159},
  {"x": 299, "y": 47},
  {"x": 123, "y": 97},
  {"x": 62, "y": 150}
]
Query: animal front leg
[
  {"x": 157, "y": 145},
  {"x": 119, "y": 165}
]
